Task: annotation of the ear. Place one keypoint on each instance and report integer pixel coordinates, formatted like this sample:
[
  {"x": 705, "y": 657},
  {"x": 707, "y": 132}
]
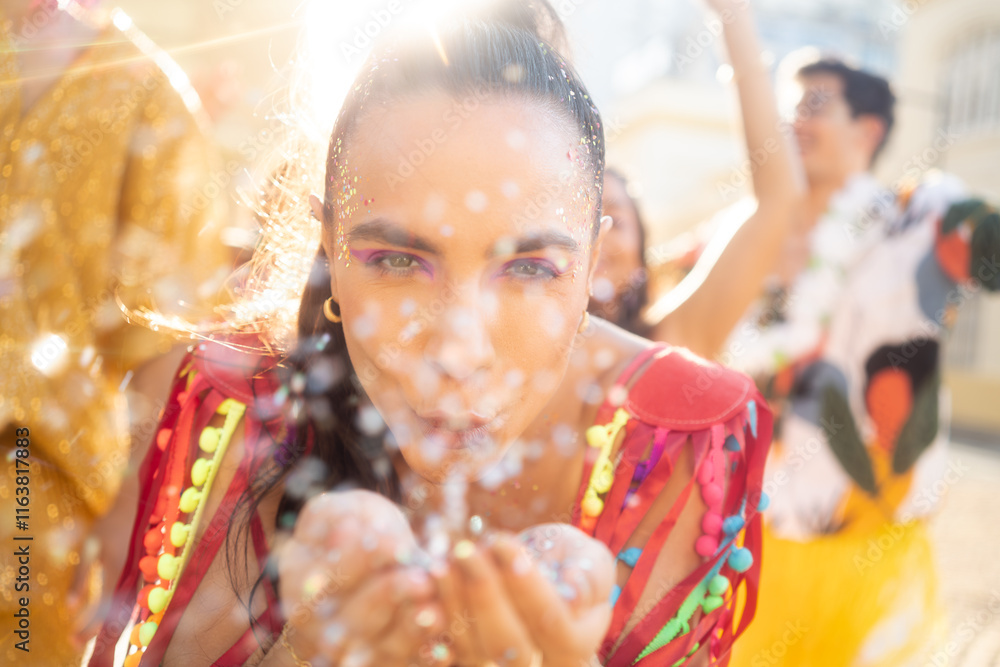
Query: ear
[
  {"x": 595, "y": 252},
  {"x": 872, "y": 130},
  {"x": 316, "y": 204}
]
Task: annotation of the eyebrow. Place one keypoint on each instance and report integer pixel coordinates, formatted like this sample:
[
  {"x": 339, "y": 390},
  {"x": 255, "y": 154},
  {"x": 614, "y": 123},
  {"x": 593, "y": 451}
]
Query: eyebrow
[
  {"x": 380, "y": 229},
  {"x": 390, "y": 233},
  {"x": 543, "y": 240}
]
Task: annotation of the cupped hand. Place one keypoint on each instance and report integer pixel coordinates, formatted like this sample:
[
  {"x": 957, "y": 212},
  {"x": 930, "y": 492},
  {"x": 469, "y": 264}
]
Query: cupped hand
[
  {"x": 540, "y": 598},
  {"x": 346, "y": 590}
]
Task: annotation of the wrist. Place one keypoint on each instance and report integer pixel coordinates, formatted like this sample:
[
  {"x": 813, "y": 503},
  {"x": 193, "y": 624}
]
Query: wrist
[{"x": 289, "y": 650}]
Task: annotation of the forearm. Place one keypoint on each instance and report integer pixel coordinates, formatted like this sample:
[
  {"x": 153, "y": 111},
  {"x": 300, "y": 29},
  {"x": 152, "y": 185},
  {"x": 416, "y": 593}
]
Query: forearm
[
  {"x": 777, "y": 178},
  {"x": 700, "y": 312}
]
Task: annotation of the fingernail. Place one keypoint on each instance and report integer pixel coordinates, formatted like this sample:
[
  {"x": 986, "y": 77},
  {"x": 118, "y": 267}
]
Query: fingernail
[
  {"x": 426, "y": 617},
  {"x": 505, "y": 552},
  {"x": 464, "y": 549},
  {"x": 468, "y": 560}
]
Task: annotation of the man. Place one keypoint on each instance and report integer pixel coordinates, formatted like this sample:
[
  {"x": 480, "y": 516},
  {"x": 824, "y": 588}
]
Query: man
[{"x": 846, "y": 346}]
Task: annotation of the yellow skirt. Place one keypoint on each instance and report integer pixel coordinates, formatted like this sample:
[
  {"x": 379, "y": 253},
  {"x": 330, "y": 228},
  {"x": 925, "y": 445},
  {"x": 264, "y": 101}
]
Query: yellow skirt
[{"x": 846, "y": 600}]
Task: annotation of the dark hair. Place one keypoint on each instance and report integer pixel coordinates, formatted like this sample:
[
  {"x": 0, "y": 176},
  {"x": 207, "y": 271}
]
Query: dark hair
[
  {"x": 509, "y": 53},
  {"x": 867, "y": 94},
  {"x": 634, "y": 298}
]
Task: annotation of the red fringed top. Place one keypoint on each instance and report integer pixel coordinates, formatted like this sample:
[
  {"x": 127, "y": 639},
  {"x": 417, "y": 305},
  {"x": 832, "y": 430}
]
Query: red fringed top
[{"x": 665, "y": 400}]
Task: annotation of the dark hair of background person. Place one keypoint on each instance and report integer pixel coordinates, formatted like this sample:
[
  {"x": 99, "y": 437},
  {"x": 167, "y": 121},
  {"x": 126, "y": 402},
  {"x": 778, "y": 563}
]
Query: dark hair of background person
[
  {"x": 508, "y": 52},
  {"x": 865, "y": 93},
  {"x": 632, "y": 300}
]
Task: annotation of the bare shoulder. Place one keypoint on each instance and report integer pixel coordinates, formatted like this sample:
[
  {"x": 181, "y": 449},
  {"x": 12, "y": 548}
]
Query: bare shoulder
[{"x": 605, "y": 351}]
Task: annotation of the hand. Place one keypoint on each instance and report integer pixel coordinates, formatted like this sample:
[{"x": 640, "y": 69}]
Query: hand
[
  {"x": 540, "y": 599},
  {"x": 721, "y": 6},
  {"x": 347, "y": 595}
]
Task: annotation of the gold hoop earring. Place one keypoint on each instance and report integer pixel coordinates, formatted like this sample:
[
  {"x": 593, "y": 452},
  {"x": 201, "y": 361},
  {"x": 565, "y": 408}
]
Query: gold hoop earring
[
  {"x": 328, "y": 311},
  {"x": 584, "y": 323}
]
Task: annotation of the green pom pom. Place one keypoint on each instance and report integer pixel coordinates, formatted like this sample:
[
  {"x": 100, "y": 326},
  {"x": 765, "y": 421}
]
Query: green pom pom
[{"x": 718, "y": 585}]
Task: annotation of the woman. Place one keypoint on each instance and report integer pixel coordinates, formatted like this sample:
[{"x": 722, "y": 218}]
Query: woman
[
  {"x": 701, "y": 311},
  {"x": 445, "y": 361}
]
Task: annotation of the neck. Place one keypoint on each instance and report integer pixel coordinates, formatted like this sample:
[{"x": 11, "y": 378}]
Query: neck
[{"x": 819, "y": 194}]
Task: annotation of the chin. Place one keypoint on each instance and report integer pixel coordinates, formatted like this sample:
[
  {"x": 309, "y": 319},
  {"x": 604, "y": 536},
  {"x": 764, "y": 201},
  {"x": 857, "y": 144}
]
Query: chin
[{"x": 436, "y": 465}]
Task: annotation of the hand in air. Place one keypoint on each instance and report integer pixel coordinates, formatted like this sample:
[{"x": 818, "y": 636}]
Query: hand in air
[
  {"x": 728, "y": 5},
  {"x": 345, "y": 591},
  {"x": 537, "y": 599}
]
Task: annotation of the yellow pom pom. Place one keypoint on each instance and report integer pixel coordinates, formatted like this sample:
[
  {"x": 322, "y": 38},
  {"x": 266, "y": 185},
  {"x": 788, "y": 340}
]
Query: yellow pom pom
[
  {"x": 209, "y": 439},
  {"x": 199, "y": 471},
  {"x": 146, "y": 632},
  {"x": 604, "y": 477},
  {"x": 166, "y": 566},
  {"x": 158, "y": 599},
  {"x": 597, "y": 436},
  {"x": 592, "y": 506},
  {"x": 190, "y": 499},
  {"x": 179, "y": 533}
]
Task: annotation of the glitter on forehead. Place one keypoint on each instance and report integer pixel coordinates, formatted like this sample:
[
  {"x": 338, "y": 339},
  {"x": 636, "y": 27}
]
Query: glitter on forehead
[{"x": 345, "y": 197}]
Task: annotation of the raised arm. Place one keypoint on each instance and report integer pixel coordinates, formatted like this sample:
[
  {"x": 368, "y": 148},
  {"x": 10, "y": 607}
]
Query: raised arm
[{"x": 701, "y": 311}]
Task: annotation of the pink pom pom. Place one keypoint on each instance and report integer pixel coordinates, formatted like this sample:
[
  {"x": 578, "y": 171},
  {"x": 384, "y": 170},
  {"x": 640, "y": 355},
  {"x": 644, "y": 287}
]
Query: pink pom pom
[
  {"x": 706, "y": 472},
  {"x": 712, "y": 495},
  {"x": 705, "y": 546},
  {"x": 711, "y": 523}
]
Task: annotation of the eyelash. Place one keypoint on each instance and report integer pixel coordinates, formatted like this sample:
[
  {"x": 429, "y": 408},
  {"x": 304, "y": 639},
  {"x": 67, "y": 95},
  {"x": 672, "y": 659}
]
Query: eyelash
[{"x": 381, "y": 263}]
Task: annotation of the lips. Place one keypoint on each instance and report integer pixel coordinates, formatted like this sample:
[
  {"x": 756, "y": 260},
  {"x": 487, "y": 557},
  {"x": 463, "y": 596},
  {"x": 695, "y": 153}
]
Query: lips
[{"x": 459, "y": 431}]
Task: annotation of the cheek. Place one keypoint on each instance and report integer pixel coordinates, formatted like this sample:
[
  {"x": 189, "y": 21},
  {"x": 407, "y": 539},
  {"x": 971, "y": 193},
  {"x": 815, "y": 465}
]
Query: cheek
[{"x": 533, "y": 339}]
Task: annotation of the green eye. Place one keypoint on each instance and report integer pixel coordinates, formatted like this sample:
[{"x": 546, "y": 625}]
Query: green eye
[{"x": 399, "y": 261}]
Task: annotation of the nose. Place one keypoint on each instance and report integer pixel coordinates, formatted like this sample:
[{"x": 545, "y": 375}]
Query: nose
[{"x": 460, "y": 343}]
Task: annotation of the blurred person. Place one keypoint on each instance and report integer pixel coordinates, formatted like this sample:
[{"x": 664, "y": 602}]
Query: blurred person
[
  {"x": 443, "y": 358},
  {"x": 104, "y": 168},
  {"x": 846, "y": 346},
  {"x": 700, "y": 312}
]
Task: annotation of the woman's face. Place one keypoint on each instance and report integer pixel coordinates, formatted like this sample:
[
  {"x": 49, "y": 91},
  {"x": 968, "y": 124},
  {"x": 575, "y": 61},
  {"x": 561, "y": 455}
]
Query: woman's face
[
  {"x": 621, "y": 254},
  {"x": 461, "y": 260}
]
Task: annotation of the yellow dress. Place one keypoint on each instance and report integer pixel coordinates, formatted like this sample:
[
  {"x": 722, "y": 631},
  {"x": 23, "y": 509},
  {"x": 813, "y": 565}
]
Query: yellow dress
[{"x": 103, "y": 192}]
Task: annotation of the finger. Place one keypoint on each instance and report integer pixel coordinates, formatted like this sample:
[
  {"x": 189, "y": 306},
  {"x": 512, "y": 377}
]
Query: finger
[
  {"x": 411, "y": 627},
  {"x": 380, "y": 615},
  {"x": 339, "y": 540},
  {"x": 551, "y": 620},
  {"x": 457, "y": 639},
  {"x": 580, "y": 561},
  {"x": 499, "y": 632},
  {"x": 333, "y": 521}
]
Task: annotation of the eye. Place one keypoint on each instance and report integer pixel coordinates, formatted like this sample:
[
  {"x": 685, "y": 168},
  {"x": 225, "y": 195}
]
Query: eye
[
  {"x": 530, "y": 269},
  {"x": 395, "y": 263},
  {"x": 399, "y": 261}
]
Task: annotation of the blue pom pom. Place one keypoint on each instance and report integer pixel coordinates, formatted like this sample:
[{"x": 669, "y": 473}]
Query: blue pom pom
[
  {"x": 732, "y": 444},
  {"x": 733, "y": 525},
  {"x": 740, "y": 559},
  {"x": 630, "y": 556},
  {"x": 764, "y": 503}
]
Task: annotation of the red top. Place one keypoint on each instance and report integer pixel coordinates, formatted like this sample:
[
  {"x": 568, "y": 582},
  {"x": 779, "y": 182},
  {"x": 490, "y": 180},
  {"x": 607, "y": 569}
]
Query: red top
[{"x": 667, "y": 398}]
